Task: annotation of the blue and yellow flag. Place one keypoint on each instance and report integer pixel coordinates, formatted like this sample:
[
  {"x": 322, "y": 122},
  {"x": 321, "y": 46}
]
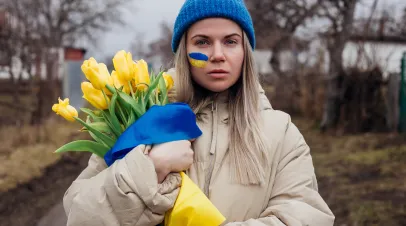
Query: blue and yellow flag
[{"x": 198, "y": 59}]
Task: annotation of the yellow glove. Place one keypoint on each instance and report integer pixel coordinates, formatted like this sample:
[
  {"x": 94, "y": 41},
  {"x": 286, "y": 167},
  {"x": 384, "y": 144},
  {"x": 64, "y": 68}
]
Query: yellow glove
[{"x": 192, "y": 207}]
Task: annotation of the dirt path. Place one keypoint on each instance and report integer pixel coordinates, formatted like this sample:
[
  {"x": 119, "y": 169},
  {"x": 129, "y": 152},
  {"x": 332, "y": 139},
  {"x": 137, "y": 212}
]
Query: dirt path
[
  {"x": 28, "y": 203},
  {"x": 55, "y": 217}
]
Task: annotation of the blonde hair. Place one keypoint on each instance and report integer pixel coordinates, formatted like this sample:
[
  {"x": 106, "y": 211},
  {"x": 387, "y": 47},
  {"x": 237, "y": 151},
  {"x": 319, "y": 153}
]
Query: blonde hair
[{"x": 247, "y": 147}]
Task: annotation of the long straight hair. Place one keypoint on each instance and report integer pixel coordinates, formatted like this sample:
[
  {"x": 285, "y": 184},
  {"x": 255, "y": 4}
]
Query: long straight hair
[{"x": 248, "y": 146}]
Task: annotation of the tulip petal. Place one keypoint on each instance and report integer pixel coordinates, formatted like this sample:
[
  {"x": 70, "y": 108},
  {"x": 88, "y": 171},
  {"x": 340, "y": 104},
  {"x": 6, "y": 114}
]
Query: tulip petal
[
  {"x": 92, "y": 61},
  {"x": 96, "y": 73},
  {"x": 168, "y": 81},
  {"x": 142, "y": 75},
  {"x": 123, "y": 65},
  {"x": 94, "y": 96},
  {"x": 55, "y": 108}
]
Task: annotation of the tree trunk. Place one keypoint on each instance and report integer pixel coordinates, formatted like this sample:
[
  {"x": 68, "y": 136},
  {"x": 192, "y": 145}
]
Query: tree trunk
[
  {"x": 334, "y": 86},
  {"x": 48, "y": 90}
]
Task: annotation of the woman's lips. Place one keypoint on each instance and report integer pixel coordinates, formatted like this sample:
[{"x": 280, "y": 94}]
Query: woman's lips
[{"x": 218, "y": 73}]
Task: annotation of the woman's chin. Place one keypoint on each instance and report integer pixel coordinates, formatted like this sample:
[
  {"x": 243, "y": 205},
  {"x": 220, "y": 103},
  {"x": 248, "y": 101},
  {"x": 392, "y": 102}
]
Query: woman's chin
[{"x": 217, "y": 88}]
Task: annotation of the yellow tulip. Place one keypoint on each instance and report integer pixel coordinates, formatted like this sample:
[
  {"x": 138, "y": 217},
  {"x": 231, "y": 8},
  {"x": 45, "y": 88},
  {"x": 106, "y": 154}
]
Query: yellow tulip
[
  {"x": 168, "y": 81},
  {"x": 123, "y": 63},
  {"x": 96, "y": 73},
  {"x": 65, "y": 110},
  {"x": 117, "y": 82},
  {"x": 142, "y": 79},
  {"x": 94, "y": 96}
]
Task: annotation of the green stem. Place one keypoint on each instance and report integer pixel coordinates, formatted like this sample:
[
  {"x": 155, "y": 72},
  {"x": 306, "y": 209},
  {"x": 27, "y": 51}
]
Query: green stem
[
  {"x": 131, "y": 88},
  {"x": 156, "y": 97},
  {"x": 111, "y": 89},
  {"x": 106, "y": 139},
  {"x": 105, "y": 97},
  {"x": 122, "y": 114},
  {"x": 142, "y": 83}
]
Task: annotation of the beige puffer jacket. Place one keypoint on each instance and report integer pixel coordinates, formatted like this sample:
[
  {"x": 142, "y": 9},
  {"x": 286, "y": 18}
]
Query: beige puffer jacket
[{"x": 127, "y": 193}]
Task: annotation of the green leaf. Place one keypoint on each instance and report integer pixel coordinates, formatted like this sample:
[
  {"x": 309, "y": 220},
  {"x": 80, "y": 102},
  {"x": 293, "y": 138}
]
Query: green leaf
[
  {"x": 102, "y": 127},
  {"x": 139, "y": 97},
  {"x": 162, "y": 94},
  {"x": 131, "y": 119},
  {"x": 114, "y": 120},
  {"x": 106, "y": 139},
  {"x": 152, "y": 87},
  {"x": 107, "y": 118},
  {"x": 111, "y": 89},
  {"x": 121, "y": 100},
  {"x": 106, "y": 130},
  {"x": 122, "y": 114},
  {"x": 92, "y": 134},
  {"x": 83, "y": 146},
  {"x": 129, "y": 102},
  {"x": 97, "y": 139},
  {"x": 91, "y": 114}
]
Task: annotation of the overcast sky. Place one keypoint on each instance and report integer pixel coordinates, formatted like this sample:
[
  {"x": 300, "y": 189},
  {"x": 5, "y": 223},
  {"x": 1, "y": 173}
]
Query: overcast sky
[{"x": 144, "y": 16}]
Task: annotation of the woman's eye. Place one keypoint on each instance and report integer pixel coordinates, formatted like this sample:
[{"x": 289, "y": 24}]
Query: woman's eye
[
  {"x": 202, "y": 42},
  {"x": 231, "y": 42}
]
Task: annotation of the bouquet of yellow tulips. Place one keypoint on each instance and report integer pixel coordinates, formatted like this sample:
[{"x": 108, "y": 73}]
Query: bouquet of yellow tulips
[
  {"x": 120, "y": 98},
  {"x": 131, "y": 108}
]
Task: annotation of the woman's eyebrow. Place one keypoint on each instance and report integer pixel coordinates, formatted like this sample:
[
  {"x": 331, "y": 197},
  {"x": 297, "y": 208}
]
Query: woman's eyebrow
[
  {"x": 207, "y": 37},
  {"x": 233, "y": 34},
  {"x": 200, "y": 35}
]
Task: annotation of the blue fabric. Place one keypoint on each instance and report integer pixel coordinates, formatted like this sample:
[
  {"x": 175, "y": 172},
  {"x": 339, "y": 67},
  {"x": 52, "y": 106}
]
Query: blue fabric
[
  {"x": 195, "y": 10},
  {"x": 160, "y": 124}
]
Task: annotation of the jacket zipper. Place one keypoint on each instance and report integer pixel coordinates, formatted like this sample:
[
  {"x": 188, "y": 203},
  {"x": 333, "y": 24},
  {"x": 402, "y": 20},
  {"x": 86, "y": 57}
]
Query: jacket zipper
[{"x": 212, "y": 154}]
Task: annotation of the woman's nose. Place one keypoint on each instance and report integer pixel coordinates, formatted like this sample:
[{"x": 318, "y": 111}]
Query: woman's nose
[{"x": 218, "y": 53}]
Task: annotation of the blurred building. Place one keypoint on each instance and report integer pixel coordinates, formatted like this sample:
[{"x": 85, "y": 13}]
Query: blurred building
[
  {"x": 363, "y": 52},
  {"x": 73, "y": 75},
  {"x": 41, "y": 62}
]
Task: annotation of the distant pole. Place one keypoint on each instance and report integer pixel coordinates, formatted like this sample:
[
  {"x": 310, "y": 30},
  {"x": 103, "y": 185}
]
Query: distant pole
[{"x": 402, "y": 97}]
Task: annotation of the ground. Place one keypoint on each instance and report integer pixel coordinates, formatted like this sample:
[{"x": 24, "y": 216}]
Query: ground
[
  {"x": 361, "y": 177},
  {"x": 32, "y": 177}
]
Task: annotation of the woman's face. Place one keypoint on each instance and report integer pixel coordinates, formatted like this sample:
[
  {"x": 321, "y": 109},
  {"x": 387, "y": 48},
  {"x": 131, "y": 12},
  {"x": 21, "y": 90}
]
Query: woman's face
[{"x": 221, "y": 40}]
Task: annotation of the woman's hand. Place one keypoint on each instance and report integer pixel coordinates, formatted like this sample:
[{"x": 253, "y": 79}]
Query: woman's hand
[{"x": 175, "y": 156}]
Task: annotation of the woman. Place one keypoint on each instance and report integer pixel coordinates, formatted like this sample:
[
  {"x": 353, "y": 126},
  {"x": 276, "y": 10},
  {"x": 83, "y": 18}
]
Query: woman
[{"x": 251, "y": 161}]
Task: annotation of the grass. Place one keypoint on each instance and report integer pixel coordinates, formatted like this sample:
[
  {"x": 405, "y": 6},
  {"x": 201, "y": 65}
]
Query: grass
[
  {"x": 361, "y": 177},
  {"x": 26, "y": 151}
]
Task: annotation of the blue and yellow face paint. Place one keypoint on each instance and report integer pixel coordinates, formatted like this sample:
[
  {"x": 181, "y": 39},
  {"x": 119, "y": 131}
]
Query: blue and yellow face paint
[{"x": 198, "y": 59}]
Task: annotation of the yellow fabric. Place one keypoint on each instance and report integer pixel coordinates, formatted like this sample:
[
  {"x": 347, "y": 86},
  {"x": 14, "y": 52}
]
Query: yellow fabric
[{"x": 192, "y": 207}]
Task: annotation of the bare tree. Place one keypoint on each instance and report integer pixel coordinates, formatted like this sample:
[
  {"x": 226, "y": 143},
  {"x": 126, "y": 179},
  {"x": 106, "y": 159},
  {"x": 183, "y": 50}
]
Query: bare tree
[
  {"x": 163, "y": 46},
  {"x": 276, "y": 21},
  {"x": 160, "y": 48},
  {"x": 18, "y": 50},
  {"x": 402, "y": 23},
  {"x": 340, "y": 13},
  {"x": 45, "y": 26},
  {"x": 138, "y": 46}
]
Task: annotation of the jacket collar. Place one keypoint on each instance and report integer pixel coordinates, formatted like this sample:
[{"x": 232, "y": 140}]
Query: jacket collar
[{"x": 221, "y": 100}]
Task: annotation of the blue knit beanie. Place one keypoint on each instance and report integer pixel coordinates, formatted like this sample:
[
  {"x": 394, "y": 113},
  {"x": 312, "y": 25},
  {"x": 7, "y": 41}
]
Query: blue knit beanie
[{"x": 195, "y": 10}]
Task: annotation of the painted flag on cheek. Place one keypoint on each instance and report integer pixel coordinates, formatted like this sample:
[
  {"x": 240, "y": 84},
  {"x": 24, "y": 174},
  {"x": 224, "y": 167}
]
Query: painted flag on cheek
[{"x": 198, "y": 59}]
